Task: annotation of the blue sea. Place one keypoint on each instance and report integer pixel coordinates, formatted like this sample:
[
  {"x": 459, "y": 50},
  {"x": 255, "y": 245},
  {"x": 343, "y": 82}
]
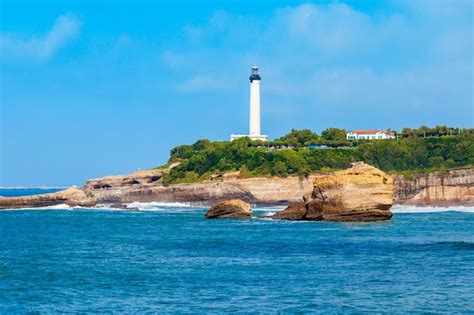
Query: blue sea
[{"x": 168, "y": 258}]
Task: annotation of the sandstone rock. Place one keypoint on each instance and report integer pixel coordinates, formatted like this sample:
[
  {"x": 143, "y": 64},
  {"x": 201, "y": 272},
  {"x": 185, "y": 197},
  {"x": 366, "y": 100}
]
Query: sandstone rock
[
  {"x": 361, "y": 193},
  {"x": 299, "y": 211},
  {"x": 261, "y": 190},
  {"x": 330, "y": 210},
  {"x": 361, "y": 187},
  {"x": 71, "y": 196},
  {"x": 230, "y": 209},
  {"x": 139, "y": 178},
  {"x": 453, "y": 188}
]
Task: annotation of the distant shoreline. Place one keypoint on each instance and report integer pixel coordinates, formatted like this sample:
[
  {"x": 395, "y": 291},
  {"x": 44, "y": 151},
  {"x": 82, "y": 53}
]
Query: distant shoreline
[{"x": 33, "y": 187}]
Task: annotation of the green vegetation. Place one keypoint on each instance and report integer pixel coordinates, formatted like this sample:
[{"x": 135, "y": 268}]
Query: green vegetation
[
  {"x": 407, "y": 155},
  {"x": 438, "y": 131},
  {"x": 332, "y": 137}
]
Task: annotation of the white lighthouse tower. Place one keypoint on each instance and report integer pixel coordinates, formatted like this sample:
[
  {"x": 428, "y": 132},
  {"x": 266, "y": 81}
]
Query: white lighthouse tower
[{"x": 254, "y": 123}]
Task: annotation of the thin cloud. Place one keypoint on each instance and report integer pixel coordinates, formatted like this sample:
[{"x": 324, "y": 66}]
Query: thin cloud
[
  {"x": 65, "y": 29},
  {"x": 335, "y": 55}
]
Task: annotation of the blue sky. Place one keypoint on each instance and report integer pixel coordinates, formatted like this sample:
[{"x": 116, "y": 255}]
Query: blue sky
[{"x": 91, "y": 88}]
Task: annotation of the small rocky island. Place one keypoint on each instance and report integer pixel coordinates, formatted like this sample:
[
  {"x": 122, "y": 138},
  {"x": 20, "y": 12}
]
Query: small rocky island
[
  {"x": 230, "y": 209},
  {"x": 360, "y": 193}
]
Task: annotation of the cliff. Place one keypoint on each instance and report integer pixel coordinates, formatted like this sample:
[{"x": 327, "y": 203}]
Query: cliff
[
  {"x": 455, "y": 187},
  {"x": 434, "y": 189},
  {"x": 262, "y": 190}
]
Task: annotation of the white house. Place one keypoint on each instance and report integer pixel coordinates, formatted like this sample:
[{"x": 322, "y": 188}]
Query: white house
[{"x": 370, "y": 134}]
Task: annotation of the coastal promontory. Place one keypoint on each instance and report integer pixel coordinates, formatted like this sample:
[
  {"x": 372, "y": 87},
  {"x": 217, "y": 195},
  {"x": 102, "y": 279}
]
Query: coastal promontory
[{"x": 429, "y": 168}]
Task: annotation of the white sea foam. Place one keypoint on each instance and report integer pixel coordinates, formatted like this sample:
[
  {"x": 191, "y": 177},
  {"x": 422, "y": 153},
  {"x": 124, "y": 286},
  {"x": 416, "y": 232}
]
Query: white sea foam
[
  {"x": 55, "y": 207},
  {"x": 133, "y": 206},
  {"x": 108, "y": 207},
  {"x": 267, "y": 211},
  {"x": 155, "y": 205},
  {"x": 413, "y": 209}
]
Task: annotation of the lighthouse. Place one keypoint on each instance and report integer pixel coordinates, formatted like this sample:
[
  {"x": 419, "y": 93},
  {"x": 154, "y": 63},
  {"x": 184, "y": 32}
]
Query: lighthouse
[
  {"x": 254, "y": 121},
  {"x": 254, "y": 129}
]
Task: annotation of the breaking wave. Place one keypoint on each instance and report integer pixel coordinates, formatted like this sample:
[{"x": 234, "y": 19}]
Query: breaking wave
[
  {"x": 55, "y": 207},
  {"x": 133, "y": 206},
  {"x": 266, "y": 211},
  {"x": 157, "y": 205}
]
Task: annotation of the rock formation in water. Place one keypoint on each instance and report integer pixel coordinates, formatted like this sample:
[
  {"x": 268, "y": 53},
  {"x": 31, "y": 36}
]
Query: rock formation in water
[
  {"x": 361, "y": 193},
  {"x": 453, "y": 188},
  {"x": 71, "y": 196},
  {"x": 230, "y": 209}
]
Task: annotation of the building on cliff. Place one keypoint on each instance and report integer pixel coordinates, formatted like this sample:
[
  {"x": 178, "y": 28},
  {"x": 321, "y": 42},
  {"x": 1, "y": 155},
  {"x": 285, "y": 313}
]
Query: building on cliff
[
  {"x": 370, "y": 134},
  {"x": 254, "y": 123}
]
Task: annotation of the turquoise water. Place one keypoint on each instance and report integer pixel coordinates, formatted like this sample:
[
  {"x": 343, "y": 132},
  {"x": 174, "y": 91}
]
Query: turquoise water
[
  {"x": 173, "y": 260},
  {"x": 5, "y": 192}
]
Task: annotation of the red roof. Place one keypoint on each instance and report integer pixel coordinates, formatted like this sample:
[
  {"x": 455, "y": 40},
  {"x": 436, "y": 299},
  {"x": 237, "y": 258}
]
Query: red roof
[
  {"x": 371, "y": 132},
  {"x": 366, "y": 132}
]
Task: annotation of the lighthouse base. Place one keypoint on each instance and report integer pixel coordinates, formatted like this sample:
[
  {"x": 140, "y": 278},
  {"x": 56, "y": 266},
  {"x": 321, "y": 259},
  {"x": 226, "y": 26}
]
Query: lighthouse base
[{"x": 252, "y": 137}]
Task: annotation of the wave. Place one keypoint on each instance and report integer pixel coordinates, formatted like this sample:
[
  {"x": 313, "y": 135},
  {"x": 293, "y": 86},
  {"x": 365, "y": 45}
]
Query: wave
[
  {"x": 267, "y": 210},
  {"x": 156, "y": 205},
  {"x": 414, "y": 209},
  {"x": 62, "y": 206}
]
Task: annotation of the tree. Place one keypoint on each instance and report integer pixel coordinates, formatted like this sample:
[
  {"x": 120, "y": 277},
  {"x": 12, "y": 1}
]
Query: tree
[
  {"x": 436, "y": 161},
  {"x": 279, "y": 169},
  {"x": 181, "y": 152},
  {"x": 334, "y": 134},
  {"x": 299, "y": 138},
  {"x": 408, "y": 132},
  {"x": 409, "y": 154},
  {"x": 423, "y": 131}
]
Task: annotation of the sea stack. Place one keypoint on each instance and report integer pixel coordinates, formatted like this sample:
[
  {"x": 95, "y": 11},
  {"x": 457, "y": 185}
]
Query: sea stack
[
  {"x": 360, "y": 193},
  {"x": 230, "y": 209}
]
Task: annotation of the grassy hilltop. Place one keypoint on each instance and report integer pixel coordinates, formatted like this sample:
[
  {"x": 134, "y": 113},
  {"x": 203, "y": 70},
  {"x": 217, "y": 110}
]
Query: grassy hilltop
[{"x": 416, "y": 150}]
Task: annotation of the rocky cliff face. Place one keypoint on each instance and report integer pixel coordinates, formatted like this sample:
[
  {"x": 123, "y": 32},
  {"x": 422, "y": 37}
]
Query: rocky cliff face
[
  {"x": 454, "y": 188},
  {"x": 436, "y": 189},
  {"x": 359, "y": 191},
  {"x": 263, "y": 190}
]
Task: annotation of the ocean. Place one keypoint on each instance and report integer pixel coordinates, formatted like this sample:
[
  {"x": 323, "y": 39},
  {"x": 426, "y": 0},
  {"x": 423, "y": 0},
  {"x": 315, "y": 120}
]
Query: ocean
[{"x": 168, "y": 258}]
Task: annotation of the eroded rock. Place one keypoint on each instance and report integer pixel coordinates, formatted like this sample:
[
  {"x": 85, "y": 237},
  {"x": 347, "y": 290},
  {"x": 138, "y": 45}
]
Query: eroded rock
[
  {"x": 230, "y": 209},
  {"x": 361, "y": 193}
]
